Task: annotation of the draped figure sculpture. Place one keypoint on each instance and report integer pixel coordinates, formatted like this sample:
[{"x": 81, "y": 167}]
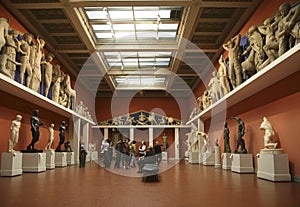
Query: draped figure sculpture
[
  {"x": 48, "y": 67},
  {"x": 56, "y": 80},
  {"x": 24, "y": 58},
  {"x": 4, "y": 26}
]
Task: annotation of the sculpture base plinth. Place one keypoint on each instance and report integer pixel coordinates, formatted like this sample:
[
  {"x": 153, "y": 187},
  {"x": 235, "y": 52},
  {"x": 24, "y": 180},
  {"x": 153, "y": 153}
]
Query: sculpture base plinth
[
  {"x": 208, "y": 158},
  {"x": 11, "y": 164},
  {"x": 193, "y": 157},
  {"x": 242, "y": 163},
  {"x": 271, "y": 151},
  {"x": 94, "y": 155},
  {"x": 50, "y": 159},
  {"x": 273, "y": 167},
  {"x": 217, "y": 157},
  {"x": 34, "y": 162},
  {"x": 164, "y": 156},
  {"x": 226, "y": 161},
  {"x": 60, "y": 159},
  {"x": 70, "y": 158}
]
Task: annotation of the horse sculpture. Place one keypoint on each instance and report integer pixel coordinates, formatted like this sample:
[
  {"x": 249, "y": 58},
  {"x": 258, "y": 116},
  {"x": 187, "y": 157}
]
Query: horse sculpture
[{"x": 269, "y": 133}]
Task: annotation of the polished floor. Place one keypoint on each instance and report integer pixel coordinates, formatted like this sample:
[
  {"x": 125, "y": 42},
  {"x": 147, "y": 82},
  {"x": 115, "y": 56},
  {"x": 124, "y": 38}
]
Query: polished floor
[{"x": 181, "y": 185}]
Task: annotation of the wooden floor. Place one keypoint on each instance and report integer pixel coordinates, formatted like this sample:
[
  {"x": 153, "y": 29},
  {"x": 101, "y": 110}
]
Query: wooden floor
[{"x": 183, "y": 185}]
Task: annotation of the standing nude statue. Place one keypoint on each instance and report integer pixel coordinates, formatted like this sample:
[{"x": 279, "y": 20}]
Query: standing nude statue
[
  {"x": 24, "y": 59},
  {"x": 226, "y": 139},
  {"x": 216, "y": 91},
  {"x": 56, "y": 80},
  {"x": 36, "y": 70},
  {"x": 241, "y": 133},
  {"x": 223, "y": 75},
  {"x": 48, "y": 72},
  {"x": 62, "y": 133},
  {"x": 235, "y": 68},
  {"x": 35, "y": 129},
  {"x": 51, "y": 136},
  {"x": 4, "y": 60},
  {"x": 3, "y": 31},
  {"x": 15, "y": 127}
]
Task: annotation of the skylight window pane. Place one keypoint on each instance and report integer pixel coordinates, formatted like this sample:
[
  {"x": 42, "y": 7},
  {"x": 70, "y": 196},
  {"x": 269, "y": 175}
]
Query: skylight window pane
[
  {"x": 127, "y": 60},
  {"x": 146, "y": 54},
  {"x": 131, "y": 64},
  {"x": 165, "y": 14},
  {"x": 115, "y": 64},
  {"x": 96, "y": 14},
  {"x": 147, "y": 64},
  {"x": 164, "y": 53},
  {"x": 168, "y": 26},
  {"x": 142, "y": 35},
  {"x": 145, "y": 26},
  {"x": 163, "y": 59},
  {"x": 104, "y": 35},
  {"x": 121, "y": 15},
  {"x": 162, "y": 64},
  {"x": 128, "y": 54},
  {"x": 125, "y": 35},
  {"x": 123, "y": 26},
  {"x": 145, "y": 14},
  {"x": 101, "y": 27},
  {"x": 111, "y": 53},
  {"x": 167, "y": 34},
  {"x": 146, "y": 59}
]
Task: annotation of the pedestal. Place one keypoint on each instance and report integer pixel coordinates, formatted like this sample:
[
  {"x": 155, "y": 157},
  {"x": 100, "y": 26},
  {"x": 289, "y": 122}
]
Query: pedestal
[
  {"x": 208, "y": 158},
  {"x": 226, "y": 161},
  {"x": 194, "y": 157},
  {"x": 60, "y": 159},
  {"x": 164, "y": 156},
  {"x": 50, "y": 159},
  {"x": 242, "y": 163},
  {"x": 70, "y": 158},
  {"x": 274, "y": 167},
  {"x": 34, "y": 162},
  {"x": 94, "y": 155},
  {"x": 217, "y": 157},
  {"x": 11, "y": 164}
]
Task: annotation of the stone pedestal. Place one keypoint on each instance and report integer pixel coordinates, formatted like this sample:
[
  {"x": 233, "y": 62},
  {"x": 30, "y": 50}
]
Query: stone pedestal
[
  {"x": 217, "y": 157},
  {"x": 164, "y": 156},
  {"x": 94, "y": 155},
  {"x": 34, "y": 162},
  {"x": 60, "y": 159},
  {"x": 273, "y": 165},
  {"x": 50, "y": 159},
  {"x": 242, "y": 163},
  {"x": 11, "y": 164},
  {"x": 208, "y": 158},
  {"x": 70, "y": 158},
  {"x": 226, "y": 161},
  {"x": 194, "y": 157}
]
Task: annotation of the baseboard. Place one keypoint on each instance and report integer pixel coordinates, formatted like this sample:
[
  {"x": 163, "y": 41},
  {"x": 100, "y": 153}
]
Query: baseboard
[{"x": 296, "y": 179}]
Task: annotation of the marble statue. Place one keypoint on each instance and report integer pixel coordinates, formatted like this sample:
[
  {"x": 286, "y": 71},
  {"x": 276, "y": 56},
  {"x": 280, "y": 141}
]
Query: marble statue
[
  {"x": 36, "y": 66},
  {"x": 56, "y": 80},
  {"x": 216, "y": 91},
  {"x": 200, "y": 104},
  {"x": 48, "y": 67},
  {"x": 4, "y": 26},
  {"x": 165, "y": 142},
  {"x": 70, "y": 93},
  {"x": 241, "y": 133},
  {"x": 226, "y": 139},
  {"x": 223, "y": 75},
  {"x": 15, "y": 127},
  {"x": 193, "y": 113},
  {"x": 235, "y": 68},
  {"x": 62, "y": 133},
  {"x": 269, "y": 133},
  {"x": 289, "y": 24},
  {"x": 51, "y": 137},
  {"x": 152, "y": 118},
  {"x": 4, "y": 61},
  {"x": 206, "y": 100},
  {"x": 206, "y": 146},
  {"x": 10, "y": 49},
  {"x": 35, "y": 129},
  {"x": 24, "y": 49}
]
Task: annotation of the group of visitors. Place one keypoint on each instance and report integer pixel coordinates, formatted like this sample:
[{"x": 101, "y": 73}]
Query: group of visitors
[{"x": 126, "y": 153}]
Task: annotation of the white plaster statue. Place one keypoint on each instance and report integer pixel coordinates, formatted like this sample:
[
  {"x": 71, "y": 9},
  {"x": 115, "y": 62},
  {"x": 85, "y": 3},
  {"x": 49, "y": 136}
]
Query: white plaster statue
[
  {"x": 269, "y": 133},
  {"x": 71, "y": 94},
  {"x": 206, "y": 100},
  {"x": 36, "y": 66},
  {"x": 51, "y": 137},
  {"x": 3, "y": 31},
  {"x": 235, "y": 68},
  {"x": 206, "y": 147},
  {"x": 15, "y": 127},
  {"x": 223, "y": 75},
  {"x": 152, "y": 119},
  {"x": 56, "y": 80},
  {"x": 200, "y": 104},
  {"x": 193, "y": 113},
  {"x": 48, "y": 72},
  {"x": 4, "y": 61},
  {"x": 24, "y": 59},
  {"x": 216, "y": 91},
  {"x": 165, "y": 142}
]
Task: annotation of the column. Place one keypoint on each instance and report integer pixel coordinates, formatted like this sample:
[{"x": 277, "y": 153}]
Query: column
[
  {"x": 76, "y": 139},
  {"x": 176, "y": 141},
  {"x": 131, "y": 133},
  {"x": 85, "y": 134},
  {"x": 151, "y": 136},
  {"x": 105, "y": 133}
]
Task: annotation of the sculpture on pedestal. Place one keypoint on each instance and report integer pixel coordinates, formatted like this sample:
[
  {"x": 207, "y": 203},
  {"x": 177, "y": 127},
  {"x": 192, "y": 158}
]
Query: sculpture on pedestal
[
  {"x": 15, "y": 127},
  {"x": 48, "y": 67},
  {"x": 165, "y": 142},
  {"x": 62, "y": 133},
  {"x": 51, "y": 137},
  {"x": 3, "y": 31},
  {"x": 35, "y": 130},
  {"x": 269, "y": 133},
  {"x": 226, "y": 139},
  {"x": 206, "y": 147},
  {"x": 241, "y": 133}
]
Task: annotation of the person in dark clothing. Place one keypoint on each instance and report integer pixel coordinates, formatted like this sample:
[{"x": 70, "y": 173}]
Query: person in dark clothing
[
  {"x": 119, "y": 148},
  {"x": 82, "y": 156},
  {"x": 149, "y": 158},
  {"x": 157, "y": 151}
]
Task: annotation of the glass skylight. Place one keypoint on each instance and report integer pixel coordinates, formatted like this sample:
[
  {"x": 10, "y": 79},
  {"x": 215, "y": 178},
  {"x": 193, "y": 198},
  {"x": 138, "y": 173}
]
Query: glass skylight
[{"x": 124, "y": 81}]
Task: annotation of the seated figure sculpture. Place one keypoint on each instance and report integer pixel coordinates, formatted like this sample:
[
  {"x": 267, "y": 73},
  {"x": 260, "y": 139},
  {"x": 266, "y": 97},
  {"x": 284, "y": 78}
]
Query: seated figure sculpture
[{"x": 269, "y": 133}]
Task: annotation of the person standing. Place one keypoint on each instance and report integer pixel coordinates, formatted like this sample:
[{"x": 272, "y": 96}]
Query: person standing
[
  {"x": 82, "y": 156},
  {"x": 132, "y": 153},
  {"x": 157, "y": 151},
  {"x": 118, "y": 148}
]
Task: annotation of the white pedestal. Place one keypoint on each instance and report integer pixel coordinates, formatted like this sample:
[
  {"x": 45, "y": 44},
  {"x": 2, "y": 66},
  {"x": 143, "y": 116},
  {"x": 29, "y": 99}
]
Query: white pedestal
[
  {"x": 194, "y": 157},
  {"x": 94, "y": 155},
  {"x": 164, "y": 156},
  {"x": 208, "y": 158},
  {"x": 34, "y": 162},
  {"x": 226, "y": 161},
  {"x": 50, "y": 159},
  {"x": 274, "y": 167},
  {"x": 217, "y": 157},
  {"x": 60, "y": 159},
  {"x": 242, "y": 163},
  {"x": 11, "y": 164},
  {"x": 70, "y": 158}
]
